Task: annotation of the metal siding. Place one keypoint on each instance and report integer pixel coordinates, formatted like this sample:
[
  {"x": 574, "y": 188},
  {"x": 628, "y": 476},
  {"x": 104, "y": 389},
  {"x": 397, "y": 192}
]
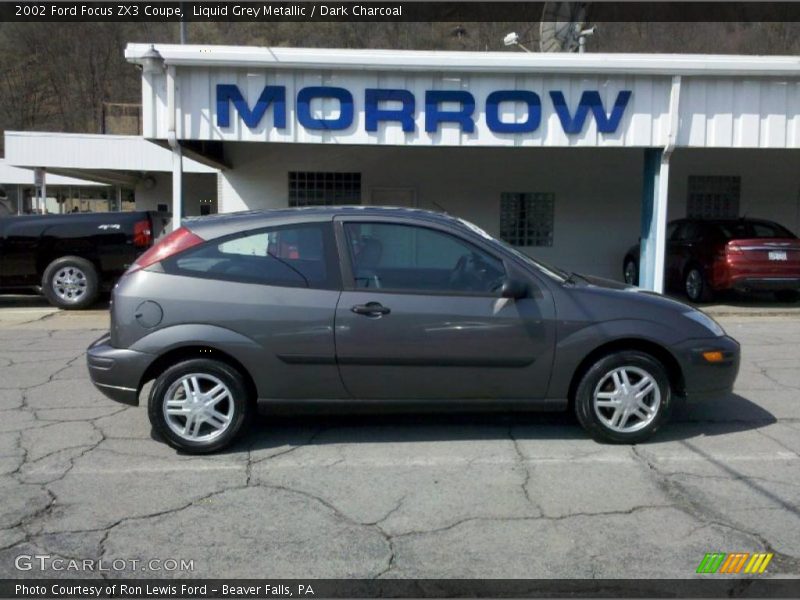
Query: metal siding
[
  {"x": 719, "y": 112},
  {"x": 198, "y": 110},
  {"x": 739, "y": 113}
]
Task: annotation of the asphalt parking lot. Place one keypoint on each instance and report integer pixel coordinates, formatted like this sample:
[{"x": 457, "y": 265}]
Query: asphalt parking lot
[{"x": 497, "y": 496}]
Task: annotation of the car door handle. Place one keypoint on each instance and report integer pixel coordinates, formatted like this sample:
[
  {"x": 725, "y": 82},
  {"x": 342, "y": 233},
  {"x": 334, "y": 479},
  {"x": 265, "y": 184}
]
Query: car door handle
[{"x": 371, "y": 309}]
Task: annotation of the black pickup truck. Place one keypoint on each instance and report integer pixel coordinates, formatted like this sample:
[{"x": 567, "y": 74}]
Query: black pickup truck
[{"x": 71, "y": 258}]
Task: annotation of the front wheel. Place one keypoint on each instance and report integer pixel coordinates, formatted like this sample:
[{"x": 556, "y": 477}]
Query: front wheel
[
  {"x": 623, "y": 398},
  {"x": 199, "y": 405}
]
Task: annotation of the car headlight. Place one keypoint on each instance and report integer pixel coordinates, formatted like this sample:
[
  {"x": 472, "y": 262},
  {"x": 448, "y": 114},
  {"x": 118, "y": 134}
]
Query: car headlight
[{"x": 703, "y": 319}]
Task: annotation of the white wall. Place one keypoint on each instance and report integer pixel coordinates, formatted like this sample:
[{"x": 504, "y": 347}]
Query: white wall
[
  {"x": 770, "y": 181},
  {"x": 595, "y": 223},
  {"x": 196, "y": 187}
]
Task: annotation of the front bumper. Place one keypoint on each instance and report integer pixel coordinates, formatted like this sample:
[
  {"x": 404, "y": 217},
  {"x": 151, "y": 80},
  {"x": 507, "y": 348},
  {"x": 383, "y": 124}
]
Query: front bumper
[
  {"x": 116, "y": 372},
  {"x": 704, "y": 380}
]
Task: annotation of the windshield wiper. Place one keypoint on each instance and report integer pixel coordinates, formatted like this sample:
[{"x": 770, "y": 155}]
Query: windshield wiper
[{"x": 571, "y": 278}]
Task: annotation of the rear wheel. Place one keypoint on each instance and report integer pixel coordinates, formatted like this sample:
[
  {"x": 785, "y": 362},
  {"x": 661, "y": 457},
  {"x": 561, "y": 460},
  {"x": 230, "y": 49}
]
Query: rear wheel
[
  {"x": 199, "y": 405},
  {"x": 631, "y": 272},
  {"x": 623, "y": 398},
  {"x": 70, "y": 282},
  {"x": 695, "y": 285}
]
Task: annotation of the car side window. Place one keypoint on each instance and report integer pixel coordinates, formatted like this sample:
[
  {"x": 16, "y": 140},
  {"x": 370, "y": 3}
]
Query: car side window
[
  {"x": 289, "y": 256},
  {"x": 412, "y": 258},
  {"x": 672, "y": 229},
  {"x": 688, "y": 232}
]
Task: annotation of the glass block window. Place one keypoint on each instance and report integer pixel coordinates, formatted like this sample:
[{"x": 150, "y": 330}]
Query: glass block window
[
  {"x": 526, "y": 219},
  {"x": 713, "y": 197},
  {"x": 309, "y": 188}
]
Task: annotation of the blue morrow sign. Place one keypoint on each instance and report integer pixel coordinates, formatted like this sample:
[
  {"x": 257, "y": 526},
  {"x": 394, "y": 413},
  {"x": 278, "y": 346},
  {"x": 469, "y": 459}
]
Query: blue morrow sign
[{"x": 376, "y": 111}]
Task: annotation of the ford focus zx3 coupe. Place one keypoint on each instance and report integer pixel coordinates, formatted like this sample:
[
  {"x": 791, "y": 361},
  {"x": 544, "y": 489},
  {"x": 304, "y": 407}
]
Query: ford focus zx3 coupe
[{"x": 389, "y": 309}]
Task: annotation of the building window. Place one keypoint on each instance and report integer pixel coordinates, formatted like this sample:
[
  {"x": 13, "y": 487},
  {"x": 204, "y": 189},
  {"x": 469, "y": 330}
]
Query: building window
[
  {"x": 713, "y": 197},
  {"x": 307, "y": 188},
  {"x": 526, "y": 219}
]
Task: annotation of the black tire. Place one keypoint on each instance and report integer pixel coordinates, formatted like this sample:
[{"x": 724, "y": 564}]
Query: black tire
[
  {"x": 787, "y": 295},
  {"x": 239, "y": 398},
  {"x": 72, "y": 296},
  {"x": 695, "y": 285},
  {"x": 598, "y": 373},
  {"x": 630, "y": 271}
]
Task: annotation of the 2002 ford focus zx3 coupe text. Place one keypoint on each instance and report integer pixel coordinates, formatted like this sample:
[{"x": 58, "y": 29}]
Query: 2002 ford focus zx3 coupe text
[{"x": 389, "y": 308}]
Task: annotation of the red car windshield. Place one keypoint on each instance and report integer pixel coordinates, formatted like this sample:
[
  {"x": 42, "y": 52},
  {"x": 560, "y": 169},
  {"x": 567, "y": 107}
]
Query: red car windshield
[{"x": 751, "y": 230}]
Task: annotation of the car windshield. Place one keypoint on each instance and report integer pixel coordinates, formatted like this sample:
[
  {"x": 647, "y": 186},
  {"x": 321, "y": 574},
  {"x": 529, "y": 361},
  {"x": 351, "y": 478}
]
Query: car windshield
[
  {"x": 753, "y": 229},
  {"x": 553, "y": 272}
]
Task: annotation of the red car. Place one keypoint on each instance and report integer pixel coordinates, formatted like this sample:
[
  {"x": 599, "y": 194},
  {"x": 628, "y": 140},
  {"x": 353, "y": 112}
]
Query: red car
[{"x": 705, "y": 256}]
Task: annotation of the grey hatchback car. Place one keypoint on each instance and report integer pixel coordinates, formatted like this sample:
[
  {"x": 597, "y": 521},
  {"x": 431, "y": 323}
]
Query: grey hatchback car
[{"x": 372, "y": 308}]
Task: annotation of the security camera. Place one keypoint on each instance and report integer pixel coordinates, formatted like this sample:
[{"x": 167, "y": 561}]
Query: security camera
[{"x": 511, "y": 39}]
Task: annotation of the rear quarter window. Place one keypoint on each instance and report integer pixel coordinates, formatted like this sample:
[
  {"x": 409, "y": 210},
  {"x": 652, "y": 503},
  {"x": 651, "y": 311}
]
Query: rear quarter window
[{"x": 290, "y": 256}]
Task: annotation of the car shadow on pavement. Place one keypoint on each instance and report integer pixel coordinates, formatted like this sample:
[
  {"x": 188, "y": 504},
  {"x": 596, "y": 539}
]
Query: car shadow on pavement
[
  {"x": 23, "y": 301},
  {"x": 33, "y": 301},
  {"x": 728, "y": 415}
]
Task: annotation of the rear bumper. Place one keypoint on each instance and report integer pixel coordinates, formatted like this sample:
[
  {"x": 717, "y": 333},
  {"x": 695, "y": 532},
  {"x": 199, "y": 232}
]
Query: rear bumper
[
  {"x": 745, "y": 284},
  {"x": 745, "y": 277},
  {"x": 117, "y": 373},
  {"x": 704, "y": 380}
]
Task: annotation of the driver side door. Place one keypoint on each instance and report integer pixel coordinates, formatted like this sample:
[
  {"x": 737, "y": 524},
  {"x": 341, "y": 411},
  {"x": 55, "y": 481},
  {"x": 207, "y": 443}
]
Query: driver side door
[{"x": 420, "y": 318}]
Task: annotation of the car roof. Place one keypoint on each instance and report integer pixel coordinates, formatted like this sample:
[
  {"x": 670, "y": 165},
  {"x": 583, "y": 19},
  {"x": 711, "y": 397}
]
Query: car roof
[{"x": 212, "y": 226}]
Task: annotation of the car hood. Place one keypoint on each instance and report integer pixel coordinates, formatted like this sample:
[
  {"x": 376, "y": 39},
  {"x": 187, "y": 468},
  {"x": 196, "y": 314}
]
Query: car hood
[{"x": 625, "y": 291}]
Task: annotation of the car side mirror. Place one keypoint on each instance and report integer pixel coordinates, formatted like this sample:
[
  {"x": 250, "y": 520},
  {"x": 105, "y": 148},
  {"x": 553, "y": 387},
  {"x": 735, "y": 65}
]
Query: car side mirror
[{"x": 513, "y": 288}]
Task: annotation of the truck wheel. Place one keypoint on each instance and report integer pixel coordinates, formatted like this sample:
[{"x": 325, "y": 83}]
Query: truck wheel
[
  {"x": 199, "y": 405},
  {"x": 70, "y": 282},
  {"x": 623, "y": 398}
]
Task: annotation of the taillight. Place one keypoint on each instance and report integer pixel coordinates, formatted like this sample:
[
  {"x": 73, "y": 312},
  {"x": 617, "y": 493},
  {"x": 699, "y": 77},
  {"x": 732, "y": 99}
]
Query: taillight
[
  {"x": 179, "y": 240},
  {"x": 142, "y": 234}
]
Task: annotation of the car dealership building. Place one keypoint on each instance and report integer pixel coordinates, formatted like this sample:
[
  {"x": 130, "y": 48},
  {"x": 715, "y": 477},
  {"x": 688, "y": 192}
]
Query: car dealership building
[{"x": 571, "y": 157}]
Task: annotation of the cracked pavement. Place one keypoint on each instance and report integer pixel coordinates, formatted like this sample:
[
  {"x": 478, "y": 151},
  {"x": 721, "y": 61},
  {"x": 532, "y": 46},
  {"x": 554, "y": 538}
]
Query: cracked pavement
[{"x": 481, "y": 496}]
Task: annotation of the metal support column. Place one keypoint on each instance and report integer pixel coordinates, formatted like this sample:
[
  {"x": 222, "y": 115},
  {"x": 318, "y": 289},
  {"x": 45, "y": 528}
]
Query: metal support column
[
  {"x": 177, "y": 186},
  {"x": 648, "y": 242},
  {"x": 655, "y": 194},
  {"x": 177, "y": 152}
]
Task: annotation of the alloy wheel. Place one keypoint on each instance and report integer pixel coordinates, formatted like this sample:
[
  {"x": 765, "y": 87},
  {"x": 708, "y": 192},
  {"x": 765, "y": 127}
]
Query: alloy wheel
[
  {"x": 198, "y": 407},
  {"x": 627, "y": 399},
  {"x": 69, "y": 284},
  {"x": 694, "y": 284}
]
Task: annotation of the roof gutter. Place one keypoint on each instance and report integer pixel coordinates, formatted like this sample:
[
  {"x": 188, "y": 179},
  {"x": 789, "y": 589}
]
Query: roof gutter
[
  {"x": 481, "y": 62},
  {"x": 174, "y": 144}
]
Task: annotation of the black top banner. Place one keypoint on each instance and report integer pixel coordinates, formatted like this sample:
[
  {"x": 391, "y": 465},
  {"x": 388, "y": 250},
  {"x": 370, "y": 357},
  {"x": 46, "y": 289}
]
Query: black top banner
[
  {"x": 407, "y": 12},
  {"x": 711, "y": 587}
]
